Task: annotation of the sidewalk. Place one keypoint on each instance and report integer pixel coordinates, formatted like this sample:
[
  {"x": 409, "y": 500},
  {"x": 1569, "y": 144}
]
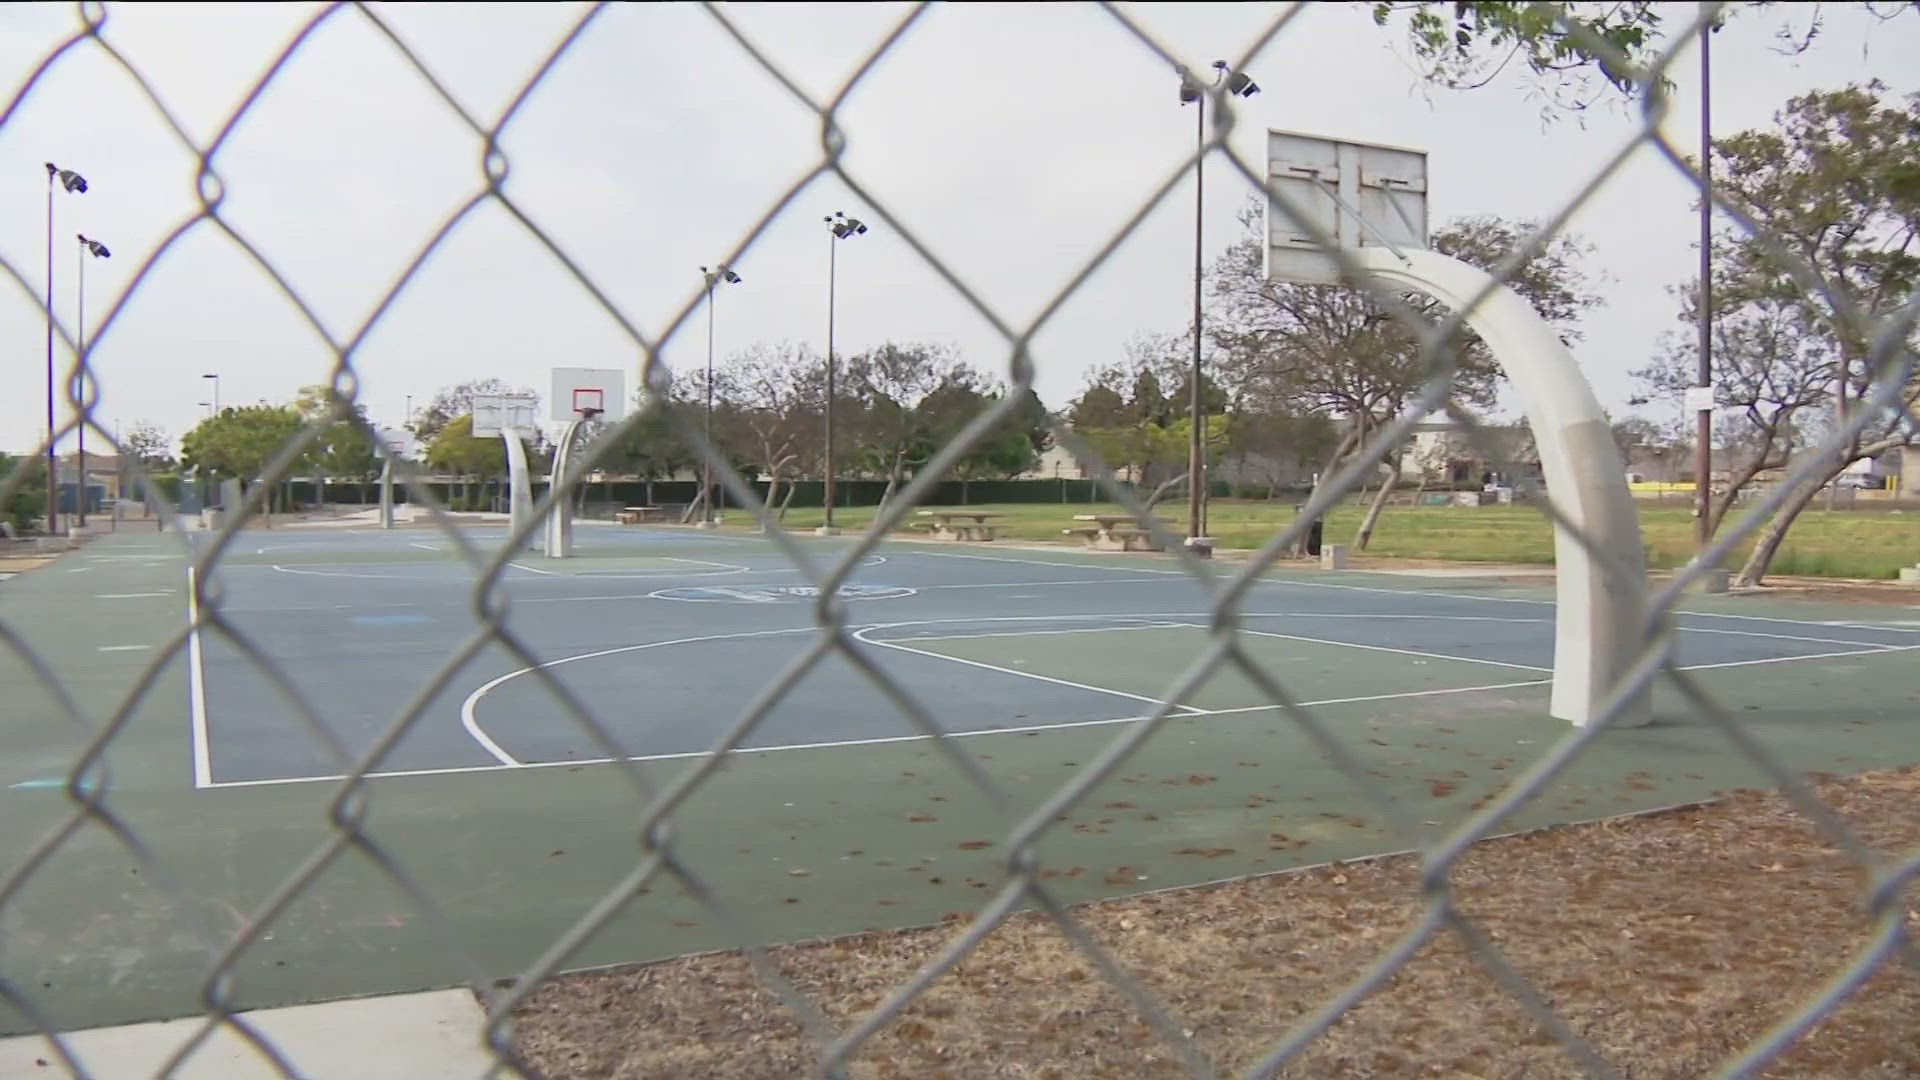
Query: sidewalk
[{"x": 429, "y": 1036}]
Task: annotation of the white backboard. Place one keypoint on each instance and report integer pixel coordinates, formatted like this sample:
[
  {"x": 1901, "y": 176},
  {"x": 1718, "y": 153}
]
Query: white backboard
[
  {"x": 493, "y": 415},
  {"x": 395, "y": 443},
  {"x": 1381, "y": 201},
  {"x": 601, "y": 388}
]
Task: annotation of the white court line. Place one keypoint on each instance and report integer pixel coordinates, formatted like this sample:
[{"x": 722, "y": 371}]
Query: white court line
[
  {"x": 197, "y": 690},
  {"x": 123, "y": 648},
  {"x": 1390, "y": 649},
  {"x": 1784, "y": 637},
  {"x": 860, "y": 635},
  {"x": 79, "y": 569},
  {"x": 472, "y": 724},
  {"x": 1290, "y": 583},
  {"x": 1045, "y": 633},
  {"x": 1029, "y": 729},
  {"x": 423, "y": 547},
  {"x": 128, "y": 595},
  {"x": 1878, "y": 650}
]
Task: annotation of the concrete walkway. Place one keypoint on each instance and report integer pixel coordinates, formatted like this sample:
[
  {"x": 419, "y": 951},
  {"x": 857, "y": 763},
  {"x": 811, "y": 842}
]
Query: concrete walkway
[{"x": 430, "y": 1036}]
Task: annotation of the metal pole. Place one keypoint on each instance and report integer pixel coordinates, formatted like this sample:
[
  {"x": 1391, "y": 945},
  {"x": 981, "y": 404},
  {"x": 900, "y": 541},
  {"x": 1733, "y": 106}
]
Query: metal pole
[
  {"x": 53, "y": 487},
  {"x": 80, "y": 346},
  {"x": 706, "y": 466},
  {"x": 833, "y": 260},
  {"x": 1196, "y": 478},
  {"x": 1703, "y": 377}
]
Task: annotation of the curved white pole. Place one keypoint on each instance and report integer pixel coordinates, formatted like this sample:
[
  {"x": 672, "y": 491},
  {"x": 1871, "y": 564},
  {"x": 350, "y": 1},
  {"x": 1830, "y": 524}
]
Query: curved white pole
[
  {"x": 560, "y": 521},
  {"x": 519, "y": 486},
  {"x": 1598, "y": 615}
]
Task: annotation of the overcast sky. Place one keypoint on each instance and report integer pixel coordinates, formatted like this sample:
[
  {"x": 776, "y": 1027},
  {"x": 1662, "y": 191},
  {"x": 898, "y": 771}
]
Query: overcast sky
[{"x": 1012, "y": 140}]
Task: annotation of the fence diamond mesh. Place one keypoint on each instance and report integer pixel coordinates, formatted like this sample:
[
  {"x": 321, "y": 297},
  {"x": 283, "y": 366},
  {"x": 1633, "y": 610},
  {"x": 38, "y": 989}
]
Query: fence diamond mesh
[{"x": 98, "y": 805}]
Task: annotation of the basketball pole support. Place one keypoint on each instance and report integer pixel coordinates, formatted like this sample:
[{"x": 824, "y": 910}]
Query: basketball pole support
[
  {"x": 386, "y": 490},
  {"x": 1599, "y": 617},
  {"x": 519, "y": 485},
  {"x": 559, "y": 543}
]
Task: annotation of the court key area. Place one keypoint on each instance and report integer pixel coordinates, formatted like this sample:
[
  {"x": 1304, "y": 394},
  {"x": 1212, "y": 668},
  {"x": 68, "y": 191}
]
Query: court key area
[{"x": 508, "y": 778}]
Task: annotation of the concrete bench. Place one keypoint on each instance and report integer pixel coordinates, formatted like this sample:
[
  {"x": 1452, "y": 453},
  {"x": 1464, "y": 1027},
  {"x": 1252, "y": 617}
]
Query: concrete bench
[{"x": 635, "y": 515}]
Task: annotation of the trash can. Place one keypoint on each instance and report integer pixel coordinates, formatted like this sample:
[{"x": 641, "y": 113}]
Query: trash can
[{"x": 1314, "y": 531}]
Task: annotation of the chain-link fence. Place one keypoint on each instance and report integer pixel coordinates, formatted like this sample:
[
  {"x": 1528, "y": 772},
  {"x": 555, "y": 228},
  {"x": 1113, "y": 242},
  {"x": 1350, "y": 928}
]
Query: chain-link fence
[{"x": 1882, "y": 329}]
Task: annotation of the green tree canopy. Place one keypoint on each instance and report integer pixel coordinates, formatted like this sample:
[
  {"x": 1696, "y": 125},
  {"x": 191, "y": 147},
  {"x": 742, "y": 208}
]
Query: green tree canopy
[{"x": 241, "y": 440}]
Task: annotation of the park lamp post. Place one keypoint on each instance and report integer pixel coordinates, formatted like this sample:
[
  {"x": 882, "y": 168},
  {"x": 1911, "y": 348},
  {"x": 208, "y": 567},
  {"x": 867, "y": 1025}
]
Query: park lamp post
[
  {"x": 714, "y": 276},
  {"x": 839, "y": 227},
  {"x": 216, "y": 392},
  {"x": 74, "y": 184},
  {"x": 99, "y": 251},
  {"x": 1193, "y": 92}
]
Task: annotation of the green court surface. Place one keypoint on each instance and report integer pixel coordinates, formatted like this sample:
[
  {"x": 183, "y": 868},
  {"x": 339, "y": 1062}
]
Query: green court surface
[{"x": 1040, "y": 660}]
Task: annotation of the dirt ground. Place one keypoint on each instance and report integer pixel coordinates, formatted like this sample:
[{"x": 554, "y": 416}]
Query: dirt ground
[{"x": 1669, "y": 942}]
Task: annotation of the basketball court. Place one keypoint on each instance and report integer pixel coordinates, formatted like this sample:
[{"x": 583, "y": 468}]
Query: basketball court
[{"x": 840, "y": 814}]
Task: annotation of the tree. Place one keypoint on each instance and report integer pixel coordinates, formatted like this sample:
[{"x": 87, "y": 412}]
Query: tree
[
  {"x": 149, "y": 446},
  {"x": 455, "y": 401},
  {"x": 1766, "y": 373},
  {"x": 456, "y": 452},
  {"x": 1278, "y": 443},
  {"x": 345, "y": 450},
  {"x": 907, "y": 406},
  {"x": 1465, "y": 45},
  {"x": 241, "y": 441},
  {"x": 1835, "y": 189},
  {"x": 1335, "y": 349},
  {"x": 774, "y": 395},
  {"x": 23, "y": 493}
]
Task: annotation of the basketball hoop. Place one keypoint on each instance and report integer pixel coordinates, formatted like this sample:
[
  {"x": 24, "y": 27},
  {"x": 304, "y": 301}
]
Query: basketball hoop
[{"x": 588, "y": 402}]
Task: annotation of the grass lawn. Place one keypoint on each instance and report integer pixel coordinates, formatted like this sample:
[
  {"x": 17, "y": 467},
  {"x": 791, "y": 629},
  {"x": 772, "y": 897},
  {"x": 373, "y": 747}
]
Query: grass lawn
[{"x": 1842, "y": 544}]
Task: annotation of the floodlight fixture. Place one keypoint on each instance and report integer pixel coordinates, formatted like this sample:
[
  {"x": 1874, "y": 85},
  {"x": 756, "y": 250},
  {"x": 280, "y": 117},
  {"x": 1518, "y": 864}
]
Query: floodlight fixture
[
  {"x": 94, "y": 247},
  {"x": 844, "y": 226}
]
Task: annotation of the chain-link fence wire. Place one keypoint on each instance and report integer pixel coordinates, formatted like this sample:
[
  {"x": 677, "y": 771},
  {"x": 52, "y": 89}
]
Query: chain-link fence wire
[{"x": 90, "y": 790}]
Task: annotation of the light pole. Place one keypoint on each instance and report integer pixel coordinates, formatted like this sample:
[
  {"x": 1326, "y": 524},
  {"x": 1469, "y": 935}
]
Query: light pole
[
  {"x": 1703, "y": 376},
  {"x": 216, "y": 393},
  {"x": 719, "y": 273},
  {"x": 839, "y": 227},
  {"x": 1193, "y": 92},
  {"x": 75, "y": 184},
  {"x": 99, "y": 251}
]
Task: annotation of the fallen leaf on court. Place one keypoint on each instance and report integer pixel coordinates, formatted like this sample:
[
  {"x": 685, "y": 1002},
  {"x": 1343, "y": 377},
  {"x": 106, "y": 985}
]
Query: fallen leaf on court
[
  {"x": 797, "y": 872},
  {"x": 974, "y": 845}
]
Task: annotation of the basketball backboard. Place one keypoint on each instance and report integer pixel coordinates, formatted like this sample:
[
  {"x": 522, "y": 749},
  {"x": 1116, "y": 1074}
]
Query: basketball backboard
[
  {"x": 1360, "y": 194},
  {"x": 506, "y": 412},
  {"x": 576, "y": 391},
  {"x": 395, "y": 443}
]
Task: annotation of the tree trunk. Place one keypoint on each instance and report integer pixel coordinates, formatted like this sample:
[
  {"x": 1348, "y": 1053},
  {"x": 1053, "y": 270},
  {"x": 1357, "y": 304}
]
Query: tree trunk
[
  {"x": 695, "y": 506},
  {"x": 773, "y": 488},
  {"x": 1340, "y": 450},
  {"x": 1161, "y": 492},
  {"x": 787, "y": 500},
  {"x": 1379, "y": 503},
  {"x": 1775, "y": 533}
]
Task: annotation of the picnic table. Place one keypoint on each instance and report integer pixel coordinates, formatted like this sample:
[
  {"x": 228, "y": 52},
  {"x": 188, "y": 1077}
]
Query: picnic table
[
  {"x": 1115, "y": 532},
  {"x": 961, "y": 525},
  {"x": 634, "y": 515}
]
